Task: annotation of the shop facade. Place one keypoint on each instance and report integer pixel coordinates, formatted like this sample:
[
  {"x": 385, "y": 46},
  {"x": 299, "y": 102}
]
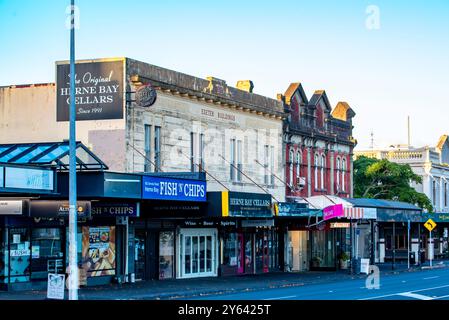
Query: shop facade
[
  {"x": 248, "y": 238},
  {"x": 171, "y": 238}
]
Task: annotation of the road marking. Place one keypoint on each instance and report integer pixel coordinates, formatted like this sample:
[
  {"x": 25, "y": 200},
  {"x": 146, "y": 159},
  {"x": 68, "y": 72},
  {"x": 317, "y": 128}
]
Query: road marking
[
  {"x": 395, "y": 294},
  {"x": 436, "y": 298},
  {"x": 415, "y": 295},
  {"x": 428, "y": 278},
  {"x": 279, "y": 298}
]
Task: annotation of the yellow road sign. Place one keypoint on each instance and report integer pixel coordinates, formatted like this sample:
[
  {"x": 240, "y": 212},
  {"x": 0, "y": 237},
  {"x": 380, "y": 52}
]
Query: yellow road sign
[{"x": 430, "y": 224}]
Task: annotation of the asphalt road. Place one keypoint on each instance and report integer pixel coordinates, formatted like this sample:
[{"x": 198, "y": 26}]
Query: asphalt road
[{"x": 418, "y": 285}]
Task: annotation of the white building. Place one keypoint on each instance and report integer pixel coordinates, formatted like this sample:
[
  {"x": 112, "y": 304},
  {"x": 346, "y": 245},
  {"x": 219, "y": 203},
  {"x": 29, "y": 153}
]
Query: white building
[{"x": 431, "y": 163}]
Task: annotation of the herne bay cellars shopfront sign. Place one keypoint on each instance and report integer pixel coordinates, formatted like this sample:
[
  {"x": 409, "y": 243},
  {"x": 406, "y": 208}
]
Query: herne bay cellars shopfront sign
[{"x": 99, "y": 90}]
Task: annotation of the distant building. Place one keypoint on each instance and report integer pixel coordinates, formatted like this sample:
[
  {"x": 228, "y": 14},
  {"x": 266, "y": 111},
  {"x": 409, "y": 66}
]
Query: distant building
[{"x": 431, "y": 163}]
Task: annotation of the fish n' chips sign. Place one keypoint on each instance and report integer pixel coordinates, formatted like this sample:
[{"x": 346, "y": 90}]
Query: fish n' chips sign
[{"x": 99, "y": 90}]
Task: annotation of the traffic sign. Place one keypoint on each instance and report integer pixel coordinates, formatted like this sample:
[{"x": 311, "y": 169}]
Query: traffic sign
[{"x": 430, "y": 224}]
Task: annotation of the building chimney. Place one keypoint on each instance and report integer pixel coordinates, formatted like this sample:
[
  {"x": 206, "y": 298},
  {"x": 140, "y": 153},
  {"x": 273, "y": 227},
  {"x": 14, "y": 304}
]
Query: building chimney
[{"x": 245, "y": 85}]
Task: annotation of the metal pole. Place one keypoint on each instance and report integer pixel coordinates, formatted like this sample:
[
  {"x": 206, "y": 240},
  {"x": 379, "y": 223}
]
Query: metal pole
[
  {"x": 350, "y": 255},
  {"x": 394, "y": 246},
  {"x": 73, "y": 263},
  {"x": 430, "y": 248},
  {"x": 408, "y": 244}
]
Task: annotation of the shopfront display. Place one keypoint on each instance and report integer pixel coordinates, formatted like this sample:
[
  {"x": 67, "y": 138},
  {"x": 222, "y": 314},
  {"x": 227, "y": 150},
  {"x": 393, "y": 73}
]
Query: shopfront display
[
  {"x": 323, "y": 254},
  {"x": 47, "y": 252},
  {"x": 166, "y": 254},
  {"x": 19, "y": 254},
  {"x": 249, "y": 242},
  {"x": 98, "y": 250}
]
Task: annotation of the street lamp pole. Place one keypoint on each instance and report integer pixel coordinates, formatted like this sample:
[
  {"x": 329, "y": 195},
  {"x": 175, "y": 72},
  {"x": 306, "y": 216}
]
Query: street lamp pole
[{"x": 73, "y": 264}]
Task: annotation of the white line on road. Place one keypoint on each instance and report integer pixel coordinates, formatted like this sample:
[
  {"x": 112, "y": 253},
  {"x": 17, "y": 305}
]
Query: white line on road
[
  {"x": 428, "y": 278},
  {"x": 398, "y": 293},
  {"x": 415, "y": 295},
  {"x": 279, "y": 298}
]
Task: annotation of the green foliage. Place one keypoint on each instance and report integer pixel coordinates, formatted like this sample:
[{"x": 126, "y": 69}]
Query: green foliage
[{"x": 382, "y": 179}]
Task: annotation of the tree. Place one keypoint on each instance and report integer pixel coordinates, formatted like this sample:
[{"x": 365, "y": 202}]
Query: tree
[{"x": 382, "y": 179}]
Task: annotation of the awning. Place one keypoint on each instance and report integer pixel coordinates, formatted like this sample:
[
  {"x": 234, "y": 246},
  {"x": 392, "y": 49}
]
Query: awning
[{"x": 54, "y": 154}]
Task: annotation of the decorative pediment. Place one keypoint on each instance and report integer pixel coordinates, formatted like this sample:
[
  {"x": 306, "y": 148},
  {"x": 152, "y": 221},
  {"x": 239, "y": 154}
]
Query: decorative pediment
[
  {"x": 343, "y": 111},
  {"x": 295, "y": 89},
  {"x": 320, "y": 97}
]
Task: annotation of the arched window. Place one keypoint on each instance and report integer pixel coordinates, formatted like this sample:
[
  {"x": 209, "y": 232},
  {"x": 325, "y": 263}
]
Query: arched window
[
  {"x": 338, "y": 174},
  {"x": 290, "y": 159},
  {"x": 323, "y": 164},
  {"x": 343, "y": 174},
  {"x": 298, "y": 164},
  {"x": 316, "y": 170}
]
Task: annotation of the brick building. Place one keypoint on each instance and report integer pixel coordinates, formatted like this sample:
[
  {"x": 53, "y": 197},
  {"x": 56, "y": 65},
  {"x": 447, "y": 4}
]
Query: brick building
[{"x": 318, "y": 145}]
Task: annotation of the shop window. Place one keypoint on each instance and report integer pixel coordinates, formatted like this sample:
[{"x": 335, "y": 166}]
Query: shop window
[
  {"x": 46, "y": 252},
  {"x": 187, "y": 255},
  {"x": 3, "y": 257},
  {"x": 98, "y": 251},
  {"x": 231, "y": 250},
  {"x": 195, "y": 254},
  {"x": 166, "y": 254},
  {"x": 401, "y": 241},
  {"x": 209, "y": 261},
  {"x": 19, "y": 254}
]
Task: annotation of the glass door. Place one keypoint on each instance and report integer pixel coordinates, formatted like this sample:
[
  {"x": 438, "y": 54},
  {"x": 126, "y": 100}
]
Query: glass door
[
  {"x": 262, "y": 257},
  {"x": 139, "y": 256},
  {"x": 197, "y": 254}
]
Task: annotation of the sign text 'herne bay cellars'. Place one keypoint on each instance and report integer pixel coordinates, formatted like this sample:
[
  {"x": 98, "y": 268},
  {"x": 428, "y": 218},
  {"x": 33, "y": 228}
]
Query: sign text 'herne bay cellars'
[{"x": 98, "y": 90}]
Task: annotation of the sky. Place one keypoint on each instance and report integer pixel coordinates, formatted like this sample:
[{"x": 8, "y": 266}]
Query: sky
[{"x": 387, "y": 59}]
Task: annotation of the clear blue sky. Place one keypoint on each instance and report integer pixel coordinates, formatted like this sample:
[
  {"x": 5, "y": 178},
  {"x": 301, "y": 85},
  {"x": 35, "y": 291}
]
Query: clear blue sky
[{"x": 385, "y": 74}]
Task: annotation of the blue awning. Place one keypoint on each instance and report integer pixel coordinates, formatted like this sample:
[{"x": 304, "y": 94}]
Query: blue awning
[{"x": 53, "y": 154}]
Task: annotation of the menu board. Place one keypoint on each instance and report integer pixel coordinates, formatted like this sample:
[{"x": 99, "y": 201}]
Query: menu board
[{"x": 98, "y": 251}]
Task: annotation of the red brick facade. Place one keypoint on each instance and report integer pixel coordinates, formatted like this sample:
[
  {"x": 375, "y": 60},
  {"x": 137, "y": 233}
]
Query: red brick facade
[{"x": 315, "y": 134}]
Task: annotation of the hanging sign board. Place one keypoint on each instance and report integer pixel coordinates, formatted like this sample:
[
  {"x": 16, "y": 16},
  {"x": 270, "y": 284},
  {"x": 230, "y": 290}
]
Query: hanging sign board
[{"x": 99, "y": 90}]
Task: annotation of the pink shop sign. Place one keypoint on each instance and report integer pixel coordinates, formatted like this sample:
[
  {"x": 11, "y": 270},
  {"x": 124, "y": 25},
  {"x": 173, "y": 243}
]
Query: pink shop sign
[{"x": 333, "y": 212}]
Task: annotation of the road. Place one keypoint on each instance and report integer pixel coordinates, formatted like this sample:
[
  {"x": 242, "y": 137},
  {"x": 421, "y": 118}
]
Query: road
[{"x": 419, "y": 285}]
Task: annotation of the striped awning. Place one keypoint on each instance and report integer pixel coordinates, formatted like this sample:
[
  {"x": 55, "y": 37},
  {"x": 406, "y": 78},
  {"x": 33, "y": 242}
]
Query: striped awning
[
  {"x": 353, "y": 213},
  {"x": 360, "y": 213}
]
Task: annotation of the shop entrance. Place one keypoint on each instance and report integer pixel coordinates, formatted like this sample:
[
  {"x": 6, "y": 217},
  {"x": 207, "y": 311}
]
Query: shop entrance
[
  {"x": 298, "y": 243},
  {"x": 197, "y": 253},
  {"x": 262, "y": 251},
  {"x": 323, "y": 250},
  {"x": 145, "y": 255}
]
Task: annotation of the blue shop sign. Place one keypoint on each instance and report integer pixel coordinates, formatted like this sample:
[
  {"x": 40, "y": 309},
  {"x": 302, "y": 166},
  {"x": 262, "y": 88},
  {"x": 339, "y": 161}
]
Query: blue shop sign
[{"x": 173, "y": 189}]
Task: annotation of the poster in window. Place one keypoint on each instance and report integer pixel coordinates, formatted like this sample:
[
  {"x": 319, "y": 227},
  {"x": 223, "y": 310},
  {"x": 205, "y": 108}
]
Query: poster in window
[{"x": 98, "y": 251}]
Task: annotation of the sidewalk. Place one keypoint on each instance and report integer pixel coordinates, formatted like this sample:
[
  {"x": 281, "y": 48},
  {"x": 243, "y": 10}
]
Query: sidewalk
[{"x": 189, "y": 288}]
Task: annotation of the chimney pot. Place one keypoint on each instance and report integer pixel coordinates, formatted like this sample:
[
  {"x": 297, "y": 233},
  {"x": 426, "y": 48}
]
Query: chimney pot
[{"x": 245, "y": 85}]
